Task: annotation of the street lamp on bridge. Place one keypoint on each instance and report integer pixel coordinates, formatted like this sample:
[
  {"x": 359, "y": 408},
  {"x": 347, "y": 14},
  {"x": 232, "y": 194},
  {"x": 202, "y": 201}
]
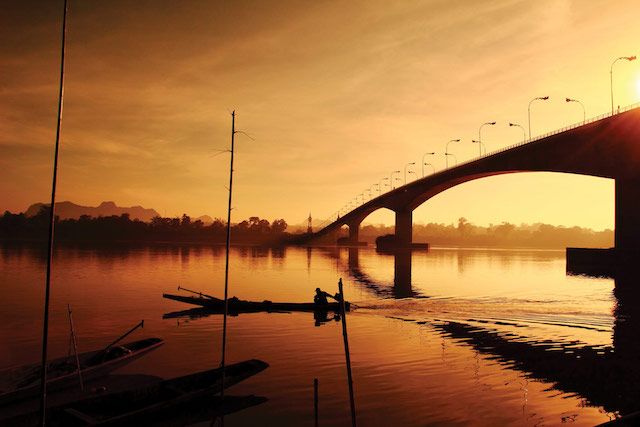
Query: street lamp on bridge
[
  {"x": 524, "y": 132},
  {"x": 424, "y": 164},
  {"x": 405, "y": 170},
  {"x": 541, "y": 98},
  {"x": 428, "y": 164},
  {"x": 371, "y": 188},
  {"x": 415, "y": 173},
  {"x": 480, "y": 136},
  {"x": 628, "y": 58},
  {"x": 446, "y": 152},
  {"x": 391, "y": 178},
  {"x": 584, "y": 112},
  {"x": 380, "y": 185},
  {"x": 480, "y": 145},
  {"x": 454, "y": 158}
]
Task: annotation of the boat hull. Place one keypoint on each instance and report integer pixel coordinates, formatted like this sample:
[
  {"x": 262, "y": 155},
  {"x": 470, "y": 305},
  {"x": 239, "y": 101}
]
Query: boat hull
[
  {"x": 155, "y": 403},
  {"x": 240, "y": 306},
  {"x": 23, "y": 382}
]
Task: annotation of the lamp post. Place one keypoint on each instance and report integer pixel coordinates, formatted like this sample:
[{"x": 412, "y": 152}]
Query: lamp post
[
  {"x": 423, "y": 163},
  {"x": 524, "y": 132},
  {"x": 542, "y": 98},
  {"x": 446, "y": 152},
  {"x": 480, "y": 136},
  {"x": 454, "y": 158},
  {"x": 380, "y": 185},
  {"x": 391, "y": 178},
  {"x": 480, "y": 144},
  {"x": 584, "y": 112},
  {"x": 415, "y": 173},
  {"x": 405, "y": 170},
  {"x": 371, "y": 188},
  {"x": 628, "y": 58}
]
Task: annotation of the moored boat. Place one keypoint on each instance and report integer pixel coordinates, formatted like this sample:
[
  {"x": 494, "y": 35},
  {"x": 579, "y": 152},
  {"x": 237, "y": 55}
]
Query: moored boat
[
  {"x": 153, "y": 404},
  {"x": 24, "y": 381}
]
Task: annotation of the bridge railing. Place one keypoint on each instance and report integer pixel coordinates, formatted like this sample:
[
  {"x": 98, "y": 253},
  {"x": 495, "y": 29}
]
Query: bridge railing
[
  {"x": 554, "y": 132},
  {"x": 334, "y": 217}
]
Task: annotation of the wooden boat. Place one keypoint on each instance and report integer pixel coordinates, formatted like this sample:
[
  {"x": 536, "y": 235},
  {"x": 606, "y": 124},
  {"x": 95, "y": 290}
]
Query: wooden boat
[
  {"x": 240, "y": 306},
  {"x": 155, "y": 403},
  {"x": 24, "y": 381}
]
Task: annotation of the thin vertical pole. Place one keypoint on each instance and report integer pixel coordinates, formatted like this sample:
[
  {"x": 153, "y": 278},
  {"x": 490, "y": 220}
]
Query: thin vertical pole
[
  {"x": 315, "y": 402},
  {"x": 611, "y": 80},
  {"x": 75, "y": 347},
  {"x": 226, "y": 271},
  {"x": 45, "y": 332},
  {"x": 346, "y": 352}
]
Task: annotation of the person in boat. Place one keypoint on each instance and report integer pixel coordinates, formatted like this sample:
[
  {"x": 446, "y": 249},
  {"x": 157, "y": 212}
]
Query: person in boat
[{"x": 321, "y": 297}]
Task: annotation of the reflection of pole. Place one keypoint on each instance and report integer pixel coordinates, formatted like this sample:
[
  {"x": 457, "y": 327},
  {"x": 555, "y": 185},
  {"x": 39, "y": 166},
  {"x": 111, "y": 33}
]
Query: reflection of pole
[
  {"x": 315, "y": 401},
  {"x": 75, "y": 347},
  {"x": 346, "y": 352},
  {"x": 45, "y": 332}
]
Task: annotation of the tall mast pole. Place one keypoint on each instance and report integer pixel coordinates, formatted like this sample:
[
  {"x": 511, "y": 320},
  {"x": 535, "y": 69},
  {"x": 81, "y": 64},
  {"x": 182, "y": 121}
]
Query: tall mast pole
[
  {"x": 226, "y": 270},
  {"x": 45, "y": 333}
]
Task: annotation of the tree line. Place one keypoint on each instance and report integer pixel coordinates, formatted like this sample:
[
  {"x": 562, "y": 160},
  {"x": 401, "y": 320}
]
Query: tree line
[
  {"x": 505, "y": 234},
  {"x": 123, "y": 228}
]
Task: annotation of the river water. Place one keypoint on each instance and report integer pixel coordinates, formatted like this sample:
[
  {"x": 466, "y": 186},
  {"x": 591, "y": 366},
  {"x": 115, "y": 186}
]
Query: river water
[{"x": 448, "y": 336}]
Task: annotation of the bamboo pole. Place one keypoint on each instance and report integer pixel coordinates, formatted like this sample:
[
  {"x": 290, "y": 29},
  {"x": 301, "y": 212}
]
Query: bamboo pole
[
  {"x": 45, "y": 332},
  {"x": 226, "y": 270},
  {"x": 346, "y": 352}
]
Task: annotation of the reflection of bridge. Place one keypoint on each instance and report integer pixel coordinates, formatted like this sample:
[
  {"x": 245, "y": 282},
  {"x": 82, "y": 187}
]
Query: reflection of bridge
[{"x": 607, "y": 147}]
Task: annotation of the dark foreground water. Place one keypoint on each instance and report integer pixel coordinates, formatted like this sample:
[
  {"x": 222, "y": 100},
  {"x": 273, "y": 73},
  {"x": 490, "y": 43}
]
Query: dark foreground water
[{"x": 452, "y": 336}]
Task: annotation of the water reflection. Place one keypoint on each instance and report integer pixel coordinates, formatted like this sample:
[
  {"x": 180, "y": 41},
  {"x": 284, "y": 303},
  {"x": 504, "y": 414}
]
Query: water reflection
[
  {"x": 605, "y": 375},
  {"x": 406, "y": 373},
  {"x": 401, "y": 287}
]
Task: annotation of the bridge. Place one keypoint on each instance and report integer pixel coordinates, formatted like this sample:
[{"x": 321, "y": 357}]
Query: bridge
[{"x": 607, "y": 146}]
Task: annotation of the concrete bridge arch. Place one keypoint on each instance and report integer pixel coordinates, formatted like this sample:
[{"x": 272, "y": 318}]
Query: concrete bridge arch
[{"x": 608, "y": 148}]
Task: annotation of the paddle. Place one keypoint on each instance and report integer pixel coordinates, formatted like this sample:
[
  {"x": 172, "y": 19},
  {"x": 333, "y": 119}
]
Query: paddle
[
  {"x": 197, "y": 293},
  {"x": 141, "y": 324}
]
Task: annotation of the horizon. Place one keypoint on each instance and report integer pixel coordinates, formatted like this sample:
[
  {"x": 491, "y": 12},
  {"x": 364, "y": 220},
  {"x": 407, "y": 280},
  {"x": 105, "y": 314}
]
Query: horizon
[
  {"x": 303, "y": 223},
  {"x": 334, "y": 97}
]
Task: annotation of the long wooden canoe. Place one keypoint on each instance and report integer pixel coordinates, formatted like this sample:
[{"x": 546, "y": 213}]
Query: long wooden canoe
[
  {"x": 155, "y": 403},
  {"x": 24, "y": 381},
  {"x": 241, "y": 306}
]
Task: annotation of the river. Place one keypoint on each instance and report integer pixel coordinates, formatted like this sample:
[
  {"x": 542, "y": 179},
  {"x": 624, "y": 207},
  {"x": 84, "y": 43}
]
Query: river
[{"x": 445, "y": 336}]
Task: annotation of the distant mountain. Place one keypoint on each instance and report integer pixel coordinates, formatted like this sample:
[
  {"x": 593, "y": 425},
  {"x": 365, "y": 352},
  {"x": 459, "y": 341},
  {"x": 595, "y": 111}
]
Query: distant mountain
[
  {"x": 67, "y": 210},
  {"x": 206, "y": 219}
]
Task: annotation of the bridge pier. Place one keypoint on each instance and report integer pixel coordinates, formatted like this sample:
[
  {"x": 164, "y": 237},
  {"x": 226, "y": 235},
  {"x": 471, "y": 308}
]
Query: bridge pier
[
  {"x": 354, "y": 235},
  {"x": 404, "y": 228},
  {"x": 627, "y": 233}
]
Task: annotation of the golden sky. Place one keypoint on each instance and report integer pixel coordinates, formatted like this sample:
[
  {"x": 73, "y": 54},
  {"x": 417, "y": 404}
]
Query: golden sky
[{"x": 336, "y": 95}]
